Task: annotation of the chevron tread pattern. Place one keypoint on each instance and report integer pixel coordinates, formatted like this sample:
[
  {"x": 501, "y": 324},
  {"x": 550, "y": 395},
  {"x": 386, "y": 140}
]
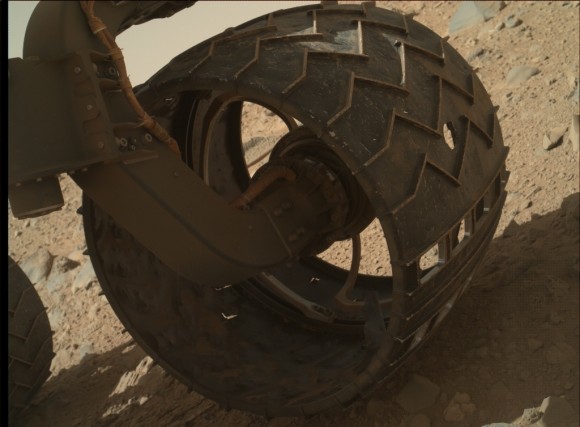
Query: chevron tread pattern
[
  {"x": 379, "y": 88},
  {"x": 29, "y": 339}
]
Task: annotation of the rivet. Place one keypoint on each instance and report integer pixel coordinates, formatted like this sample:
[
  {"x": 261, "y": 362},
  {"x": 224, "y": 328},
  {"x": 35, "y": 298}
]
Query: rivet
[
  {"x": 278, "y": 211},
  {"x": 38, "y": 179},
  {"x": 175, "y": 173},
  {"x": 77, "y": 70},
  {"x": 89, "y": 107},
  {"x": 101, "y": 145},
  {"x": 148, "y": 137}
]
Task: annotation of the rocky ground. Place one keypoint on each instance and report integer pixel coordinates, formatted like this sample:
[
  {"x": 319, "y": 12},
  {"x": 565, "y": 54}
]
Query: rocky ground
[{"x": 507, "y": 353}]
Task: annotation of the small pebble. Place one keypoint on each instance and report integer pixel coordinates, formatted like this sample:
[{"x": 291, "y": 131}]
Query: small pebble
[
  {"x": 534, "y": 344},
  {"x": 554, "y": 137},
  {"x": 520, "y": 74},
  {"x": 512, "y": 22}
]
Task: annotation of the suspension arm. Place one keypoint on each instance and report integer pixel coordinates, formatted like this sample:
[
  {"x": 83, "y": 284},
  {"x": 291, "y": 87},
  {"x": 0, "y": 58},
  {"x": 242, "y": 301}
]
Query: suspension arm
[
  {"x": 67, "y": 114},
  {"x": 66, "y": 110}
]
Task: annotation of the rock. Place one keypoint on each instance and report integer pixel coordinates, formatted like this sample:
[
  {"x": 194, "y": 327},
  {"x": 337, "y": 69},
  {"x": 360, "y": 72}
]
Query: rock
[
  {"x": 37, "y": 266},
  {"x": 530, "y": 416},
  {"x": 55, "y": 317},
  {"x": 520, "y": 74},
  {"x": 419, "y": 420},
  {"x": 560, "y": 353},
  {"x": 525, "y": 205},
  {"x": 56, "y": 281},
  {"x": 475, "y": 53},
  {"x": 554, "y": 137},
  {"x": 85, "y": 350},
  {"x": 556, "y": 413},
  {"x": 498, "y": 425},
  {"x": 462, "y": 398},
  {"x": 468, "y": 408},
  {"x": 373, "y": 407},
  {"x": 132, "y": 378},
  {"x": 534, "y": 344},
  {"x": 453, "y": 412},
  {"x": 418, "y": 394},
  {"x": 84, "y": 277},
  {"x": 63, "y": 264},
  {"x": 512, "y": 21},
  {"x": 458, "y": 407},
  {"x": 77, "y": 256},
  {"x": 574, "y": 95},
  {"x": 573, "y": 135},
  {"x": 499, "y": 26},
  {"x": 572, "y": 79},
  {"x": 60, "y": 273},
  {"x": 471, "y": 13}
]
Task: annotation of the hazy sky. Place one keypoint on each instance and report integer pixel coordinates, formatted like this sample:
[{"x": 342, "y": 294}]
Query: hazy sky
[{"x": 149, "y": 46}]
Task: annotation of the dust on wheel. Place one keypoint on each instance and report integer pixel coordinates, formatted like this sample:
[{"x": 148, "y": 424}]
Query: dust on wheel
[
  {"x": 409, "y": 130},
  {"x": 29, "y": 340}
]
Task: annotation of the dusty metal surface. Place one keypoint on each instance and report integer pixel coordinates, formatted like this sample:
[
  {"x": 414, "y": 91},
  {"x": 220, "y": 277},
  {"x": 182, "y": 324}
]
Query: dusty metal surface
[{"x": 211, "y": 265}]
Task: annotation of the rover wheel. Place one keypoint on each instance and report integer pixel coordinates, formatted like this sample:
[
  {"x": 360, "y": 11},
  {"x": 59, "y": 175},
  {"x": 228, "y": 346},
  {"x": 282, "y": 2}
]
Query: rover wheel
[
  {"x": 29, "y": 340},
  {"x": 412, "y": 132}
]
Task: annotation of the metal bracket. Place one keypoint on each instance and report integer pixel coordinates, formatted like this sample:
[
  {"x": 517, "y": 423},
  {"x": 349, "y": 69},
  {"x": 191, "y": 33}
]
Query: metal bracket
[{"x": 65, "y": 108}]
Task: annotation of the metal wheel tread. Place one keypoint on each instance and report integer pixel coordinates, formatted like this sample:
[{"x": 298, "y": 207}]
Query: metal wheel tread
[
  {"x": 366, "y": 102},
  {"x": 29, "y": 340}
]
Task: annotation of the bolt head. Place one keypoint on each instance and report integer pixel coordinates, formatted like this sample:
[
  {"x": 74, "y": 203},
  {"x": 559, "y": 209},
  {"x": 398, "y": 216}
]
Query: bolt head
[{"x": 77, "y": 70}]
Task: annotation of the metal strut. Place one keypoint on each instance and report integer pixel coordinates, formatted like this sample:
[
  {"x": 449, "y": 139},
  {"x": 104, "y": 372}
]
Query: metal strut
[{"x": 71, "y": 88}]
